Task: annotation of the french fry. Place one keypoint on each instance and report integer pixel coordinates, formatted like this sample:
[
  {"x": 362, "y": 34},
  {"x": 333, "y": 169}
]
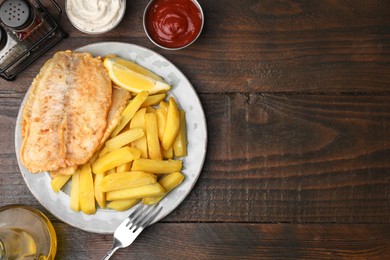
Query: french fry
[
  {"x": 154, "y": 99},
  {"x": 75, "y": 191},
  {"x": 129, "y": 111},
  {"x": 180, "y": 143},
  {"x": 142, "y": 145},
  {"x": 87, "y": 198},
  {"x": 124, "y": 167},
  {"x": 122, "y": 205},
  {"x": 157, "y": 166},
  {"x": 167, "y": 154},
  {"x": 139, "y": 121},
  {"x": 164, "y": 104},
  {"x": 150, "y": 190},
  {"x": 161, "y": 115},
  {"x": 169, "y": 182},
  {"x": 172, "y": 124},
  {"x": 154, "y": 150},
  {"x": 100, "y": 196},
  {"x": 115, "y": 158},
  {"x": 59, "y": 181},
  {"x": 123, "y": 180},
  {"x": 124, "y": 138}
]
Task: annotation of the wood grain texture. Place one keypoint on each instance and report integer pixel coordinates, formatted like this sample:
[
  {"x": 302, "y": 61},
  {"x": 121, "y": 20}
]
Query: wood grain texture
[
  {"x": 297, "y": 100},
  {"x": 235, "y": 241},
  {"x": 268, "y": 46}
]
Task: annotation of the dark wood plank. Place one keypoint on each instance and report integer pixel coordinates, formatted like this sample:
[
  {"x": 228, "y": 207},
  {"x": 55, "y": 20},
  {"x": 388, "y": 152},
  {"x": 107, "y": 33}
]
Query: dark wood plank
[
  {"x": 272, "y": 158},
  {"x": 297, "y": 104},
  {"x": 234, "y": 241},
  {"x": 313, "y": 46},
  {"x": 294, "y": 158},
  {"x": 267, "y": 46}
]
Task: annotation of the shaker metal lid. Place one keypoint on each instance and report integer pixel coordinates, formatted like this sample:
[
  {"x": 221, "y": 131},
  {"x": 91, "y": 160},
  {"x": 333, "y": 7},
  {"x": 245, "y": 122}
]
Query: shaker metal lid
[{"x": 16, "y": 14}]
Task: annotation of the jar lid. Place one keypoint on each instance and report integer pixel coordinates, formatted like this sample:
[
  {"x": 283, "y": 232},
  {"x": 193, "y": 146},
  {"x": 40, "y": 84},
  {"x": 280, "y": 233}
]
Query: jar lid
[{"x": 16, "y": 14}]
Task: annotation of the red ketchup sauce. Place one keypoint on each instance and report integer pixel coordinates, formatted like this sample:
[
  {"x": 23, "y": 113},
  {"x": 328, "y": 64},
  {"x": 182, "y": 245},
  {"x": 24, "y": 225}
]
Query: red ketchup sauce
[{"x": 173, "y": 23}]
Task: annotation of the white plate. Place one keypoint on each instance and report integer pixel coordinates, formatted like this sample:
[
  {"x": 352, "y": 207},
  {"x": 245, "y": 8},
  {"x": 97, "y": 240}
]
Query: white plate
[{"x": 105, "y": 220}]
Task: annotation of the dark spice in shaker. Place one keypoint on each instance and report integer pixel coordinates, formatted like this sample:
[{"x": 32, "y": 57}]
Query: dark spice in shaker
[{"x": 23, "y": 20}]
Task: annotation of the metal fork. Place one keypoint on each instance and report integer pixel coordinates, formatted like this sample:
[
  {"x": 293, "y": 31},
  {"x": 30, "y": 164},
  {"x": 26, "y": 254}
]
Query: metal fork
[{"x": 132, "y": 226}]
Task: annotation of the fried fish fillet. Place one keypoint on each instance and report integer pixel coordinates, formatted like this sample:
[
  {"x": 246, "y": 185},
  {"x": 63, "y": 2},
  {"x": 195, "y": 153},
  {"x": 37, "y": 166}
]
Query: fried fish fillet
[
  {"x": 65, "y": 115},
  {"x": 120, "y": 98}
]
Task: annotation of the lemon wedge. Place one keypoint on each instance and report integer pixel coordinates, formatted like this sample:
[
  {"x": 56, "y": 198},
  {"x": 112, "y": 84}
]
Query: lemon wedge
[{"x": 133, "y": 77}]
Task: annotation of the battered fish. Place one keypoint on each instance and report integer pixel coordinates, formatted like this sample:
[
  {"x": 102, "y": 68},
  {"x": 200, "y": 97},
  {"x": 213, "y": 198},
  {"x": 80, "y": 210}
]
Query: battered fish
[
  {"x": 120, "y": 98},
  {"x": 65, "y": 115}
]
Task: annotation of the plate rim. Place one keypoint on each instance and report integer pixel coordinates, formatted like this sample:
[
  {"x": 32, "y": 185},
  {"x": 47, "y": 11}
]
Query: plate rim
[{"x": 162, "y": 215}]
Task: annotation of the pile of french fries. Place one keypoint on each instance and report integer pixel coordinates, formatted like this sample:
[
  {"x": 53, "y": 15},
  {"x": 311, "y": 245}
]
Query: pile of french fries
[{"x": 139, "y": 162}]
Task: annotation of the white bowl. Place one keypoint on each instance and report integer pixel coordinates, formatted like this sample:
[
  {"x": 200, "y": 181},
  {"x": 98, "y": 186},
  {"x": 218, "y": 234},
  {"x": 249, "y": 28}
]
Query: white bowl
[{"x": 77, "y": 22}]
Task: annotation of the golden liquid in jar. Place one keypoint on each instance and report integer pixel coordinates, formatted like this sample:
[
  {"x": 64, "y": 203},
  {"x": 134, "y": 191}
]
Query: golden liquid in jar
[
  {"x": 26, "y": 234},
  {"x": 18, "y": 243}
]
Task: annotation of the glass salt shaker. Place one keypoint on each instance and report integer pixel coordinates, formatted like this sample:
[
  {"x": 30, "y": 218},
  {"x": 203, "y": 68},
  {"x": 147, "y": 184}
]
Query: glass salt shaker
[{"x": 23, "y": 20}]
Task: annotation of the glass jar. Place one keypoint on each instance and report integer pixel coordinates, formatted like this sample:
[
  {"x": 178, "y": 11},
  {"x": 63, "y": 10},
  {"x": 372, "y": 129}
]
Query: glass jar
[{"x": 26, "y": 233}]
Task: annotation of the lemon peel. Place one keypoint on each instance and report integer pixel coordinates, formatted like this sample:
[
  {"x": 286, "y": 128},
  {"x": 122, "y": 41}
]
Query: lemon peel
[{"x": 133, "y": 77}]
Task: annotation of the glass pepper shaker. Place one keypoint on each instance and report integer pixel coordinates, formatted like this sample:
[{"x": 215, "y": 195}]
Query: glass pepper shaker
[{"x": 23, "y": 20}]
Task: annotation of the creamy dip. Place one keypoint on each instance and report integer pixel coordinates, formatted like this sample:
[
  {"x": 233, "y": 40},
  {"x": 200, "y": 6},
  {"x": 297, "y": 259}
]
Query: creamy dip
[{"x": 95, "y": 16}]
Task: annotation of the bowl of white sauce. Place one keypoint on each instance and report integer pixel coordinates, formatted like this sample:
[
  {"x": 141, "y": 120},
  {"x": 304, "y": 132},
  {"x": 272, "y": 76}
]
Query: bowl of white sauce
[{"x": 95, "y": 16}]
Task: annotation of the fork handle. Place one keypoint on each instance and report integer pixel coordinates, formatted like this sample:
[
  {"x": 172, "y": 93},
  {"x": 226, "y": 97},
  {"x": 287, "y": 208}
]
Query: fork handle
[{"x": 111, "y": 252}]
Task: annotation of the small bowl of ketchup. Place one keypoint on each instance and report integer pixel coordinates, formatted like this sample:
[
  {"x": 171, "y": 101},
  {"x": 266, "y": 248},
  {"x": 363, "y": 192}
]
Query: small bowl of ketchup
[{"x": 173, "y": 24}]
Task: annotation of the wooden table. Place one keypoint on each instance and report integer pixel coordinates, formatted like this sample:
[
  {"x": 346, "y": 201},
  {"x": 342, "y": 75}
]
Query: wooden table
[{"x": 297, "y": 100}]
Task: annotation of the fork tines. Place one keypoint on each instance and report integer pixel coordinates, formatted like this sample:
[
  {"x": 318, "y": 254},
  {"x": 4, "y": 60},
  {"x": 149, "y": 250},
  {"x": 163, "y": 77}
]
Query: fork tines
[{"x": 142, "y": 216}]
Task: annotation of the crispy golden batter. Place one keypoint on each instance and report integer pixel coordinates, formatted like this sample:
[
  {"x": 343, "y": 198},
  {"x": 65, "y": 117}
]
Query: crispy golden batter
[
  {"x": 70, "y": 170},
  {"x": 65, "y": 115},
  {"x": 120, "y": 98}
]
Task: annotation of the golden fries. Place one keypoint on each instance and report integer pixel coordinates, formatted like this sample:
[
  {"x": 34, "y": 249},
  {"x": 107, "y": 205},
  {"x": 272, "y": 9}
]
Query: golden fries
[
  {"x": 100, "y": 195},
  {"x": 169, "y": 182},
  {"x": 123, "y": 180},
  {"x": 150, "y": 190},
  {"x": 87, "y": 197},
  {"x": 154, "y": 99},
  {"x": 75, "y": 191},
  {"x": 168, "y": 154},
  {"x": 122, "y": 205},
  {"x": 129, "y": 111},
  {"x": 154, "y": 150},
  {"x": 172, "y": 124},
  {"x": 139, "y": 121},
  {"x": 59, "y": 181},
  {"x": 124, "y": 167},
  {"x": 124, "y": 138},
  {"x": 115, "y": 158},
  {"x": 161, "y": 114},
  {"x": 180, "y": 143},
  {"x": 157, "y": 166}
]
